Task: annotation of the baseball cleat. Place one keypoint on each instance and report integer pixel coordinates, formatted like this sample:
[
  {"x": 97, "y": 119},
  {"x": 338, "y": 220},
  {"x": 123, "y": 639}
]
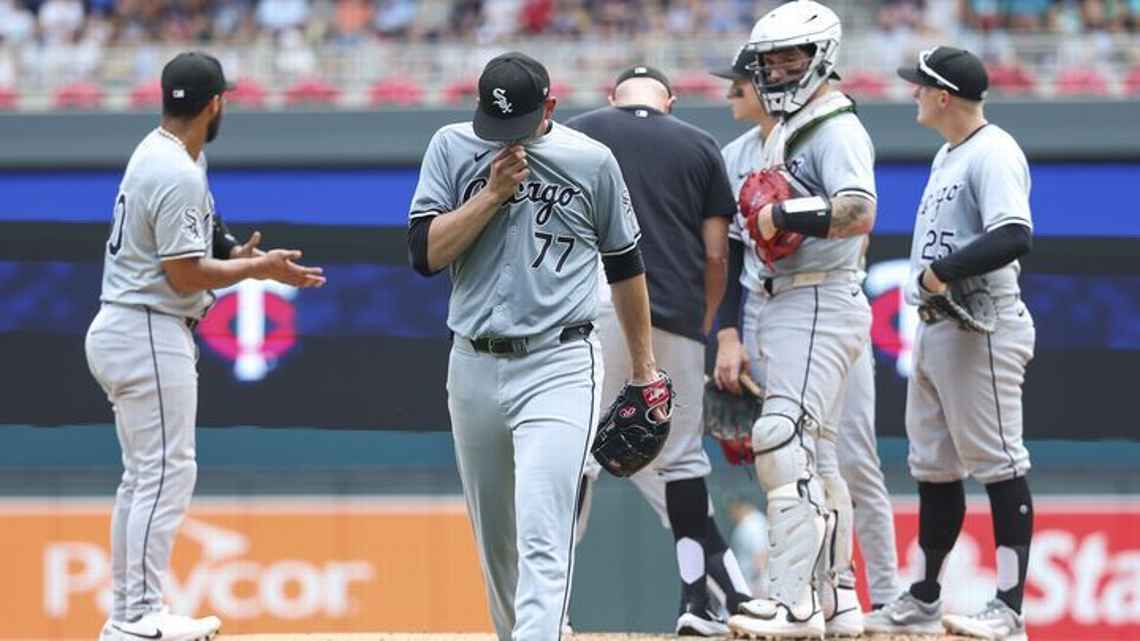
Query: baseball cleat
[
  {"x": 847, "y": 619},
  {"x": 997, "y": 622},
  {"x": 707, "y": 624},
  {"x": 764, "y": 619},
  {"x": 167, "y": 627},
  {"x": 906, "y": 615}
]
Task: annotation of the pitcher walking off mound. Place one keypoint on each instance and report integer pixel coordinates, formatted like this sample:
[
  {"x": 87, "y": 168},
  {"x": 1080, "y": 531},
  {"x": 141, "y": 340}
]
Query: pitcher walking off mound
[{"x": 519, "y": 208}]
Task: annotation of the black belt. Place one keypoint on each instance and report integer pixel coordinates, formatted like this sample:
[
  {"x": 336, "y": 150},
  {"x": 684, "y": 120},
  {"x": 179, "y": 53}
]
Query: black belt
[
  {"x": 192, "y": 323},
  {"x": 503, "y": 346}
]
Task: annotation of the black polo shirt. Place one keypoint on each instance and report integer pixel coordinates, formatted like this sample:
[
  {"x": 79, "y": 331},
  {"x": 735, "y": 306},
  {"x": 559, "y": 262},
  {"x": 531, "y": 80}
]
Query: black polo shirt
[{"x": 676, "y": 180}]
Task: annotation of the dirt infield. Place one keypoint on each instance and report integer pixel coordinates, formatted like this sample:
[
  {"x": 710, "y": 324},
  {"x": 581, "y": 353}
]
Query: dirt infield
[{"x": 583, "y": 637}]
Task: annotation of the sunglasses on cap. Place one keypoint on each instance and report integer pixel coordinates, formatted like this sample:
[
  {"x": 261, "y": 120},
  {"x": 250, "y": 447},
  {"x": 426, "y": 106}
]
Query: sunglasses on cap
[{"x": 934, "y": 75}]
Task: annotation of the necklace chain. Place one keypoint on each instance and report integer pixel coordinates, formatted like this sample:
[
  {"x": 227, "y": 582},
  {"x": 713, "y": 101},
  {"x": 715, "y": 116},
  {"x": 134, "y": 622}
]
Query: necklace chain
[{"x": 166, "y": 134}]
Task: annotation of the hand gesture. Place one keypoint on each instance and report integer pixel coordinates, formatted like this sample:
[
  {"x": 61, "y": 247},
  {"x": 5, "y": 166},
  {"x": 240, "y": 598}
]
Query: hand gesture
[
  {"x": 508, "y": 170},
  {"x": 249, "y": 249},
  {"x": 280, "y": 265}
]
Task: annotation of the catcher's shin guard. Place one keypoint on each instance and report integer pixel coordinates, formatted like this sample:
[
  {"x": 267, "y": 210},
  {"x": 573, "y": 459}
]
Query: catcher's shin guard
[
  {"x": 841, "y": 546},
  {"x": 796, "y": 529}
]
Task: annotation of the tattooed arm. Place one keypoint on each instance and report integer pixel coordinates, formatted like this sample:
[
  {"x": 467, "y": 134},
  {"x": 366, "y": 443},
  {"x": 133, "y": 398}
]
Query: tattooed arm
[{"x": 851, "y": 215}]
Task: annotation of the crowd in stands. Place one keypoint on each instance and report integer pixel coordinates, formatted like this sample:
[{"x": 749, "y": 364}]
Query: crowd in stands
[{"x": 49, "y": 41}]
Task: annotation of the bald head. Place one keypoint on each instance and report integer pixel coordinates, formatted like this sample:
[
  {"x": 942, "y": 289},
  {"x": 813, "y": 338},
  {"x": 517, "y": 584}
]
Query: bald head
[{"x": 642, "y": 91}]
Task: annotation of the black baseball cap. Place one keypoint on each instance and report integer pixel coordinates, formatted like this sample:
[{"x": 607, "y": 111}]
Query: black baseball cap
[
  {"x": 956, "y": 70},
  {"x": 644, "y": 71},
  {"x": 512, "y": 89},
  {"x": 190, "y": 81},
  {"x": 738, "y": 70}
]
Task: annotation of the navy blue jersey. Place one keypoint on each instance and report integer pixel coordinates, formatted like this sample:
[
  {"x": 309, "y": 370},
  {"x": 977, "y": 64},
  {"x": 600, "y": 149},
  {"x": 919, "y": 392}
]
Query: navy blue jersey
[{"x": 676, "y": 180}]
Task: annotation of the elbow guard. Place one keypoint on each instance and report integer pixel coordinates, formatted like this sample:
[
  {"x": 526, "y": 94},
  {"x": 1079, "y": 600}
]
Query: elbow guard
[{"x": 623, "y": 266}]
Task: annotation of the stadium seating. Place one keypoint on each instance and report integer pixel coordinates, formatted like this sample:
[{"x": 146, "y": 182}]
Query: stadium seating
[
  {"x": 396, "y": 90},
  {"x": 866, "y": 84},
  {"x": 79, "y": 95},
  {"x": 1011, "y": 80},
  {"x": 9, "y": 99},
  {"x": 311, "y": 91},
  {"x": 146, "y": 95},
  {"x": 1080, "y": 81}
]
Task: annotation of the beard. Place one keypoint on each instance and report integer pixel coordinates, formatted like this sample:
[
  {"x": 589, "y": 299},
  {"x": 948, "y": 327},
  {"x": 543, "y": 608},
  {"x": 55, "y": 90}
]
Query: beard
[{"x": 213, "y": 127}]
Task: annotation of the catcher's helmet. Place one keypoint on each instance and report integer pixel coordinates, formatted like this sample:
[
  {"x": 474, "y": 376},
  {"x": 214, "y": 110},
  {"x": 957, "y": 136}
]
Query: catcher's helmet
[{"x": 802, "y": 24}]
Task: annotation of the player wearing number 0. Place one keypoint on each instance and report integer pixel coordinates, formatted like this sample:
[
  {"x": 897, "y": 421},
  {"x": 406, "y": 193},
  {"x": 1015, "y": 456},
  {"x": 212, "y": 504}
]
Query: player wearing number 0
[
  {"x": 168, "y": 249},
  {"x": 963, "y": 413},
  {"x": 519, "y": 208}
]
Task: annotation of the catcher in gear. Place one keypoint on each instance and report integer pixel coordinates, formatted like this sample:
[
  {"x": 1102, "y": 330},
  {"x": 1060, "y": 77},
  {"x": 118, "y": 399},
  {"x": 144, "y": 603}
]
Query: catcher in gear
[{"x": 814, "y": 317}]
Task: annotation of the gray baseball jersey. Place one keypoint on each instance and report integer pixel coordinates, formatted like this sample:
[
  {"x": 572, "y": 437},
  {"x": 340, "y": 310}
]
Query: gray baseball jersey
[
  {"x": 141, "y": 351},
  {"x": 828, "y": 153},
  {"x": 523, "y": 423},
  {"x": 742, "y": 157},
  {"x": 964, "y": 411},
  {"x": 530, "y": 270},
  {"x": 974, "y": 187},
  {"x": 163, "y": 211},
  {"x": 812, "y": 326}
]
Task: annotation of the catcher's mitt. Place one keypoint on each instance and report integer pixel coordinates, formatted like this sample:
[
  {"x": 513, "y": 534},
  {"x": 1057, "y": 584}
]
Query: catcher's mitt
[
  {"x": 974, "y": 310},
  {"x": 728, "y": 418},
  {"x": 634, "y": 428},
  {"x": 760, "y": 188}
]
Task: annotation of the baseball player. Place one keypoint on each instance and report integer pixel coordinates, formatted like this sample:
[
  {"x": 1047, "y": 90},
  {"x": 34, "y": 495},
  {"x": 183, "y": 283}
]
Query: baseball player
[
  {"x": 857, "y": 448},
  {"x": 684, "y": 204},
  {"x": 814, "y": 317},
  {"x": 519, "y": 208},
  {"x": 168, "y": 248},
  {"x": 963, "y": 411}
]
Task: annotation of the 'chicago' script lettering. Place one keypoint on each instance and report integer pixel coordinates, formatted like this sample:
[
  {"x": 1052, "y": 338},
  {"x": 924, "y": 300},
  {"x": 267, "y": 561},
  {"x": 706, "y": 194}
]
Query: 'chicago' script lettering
[{"x": 546, "y": 196}]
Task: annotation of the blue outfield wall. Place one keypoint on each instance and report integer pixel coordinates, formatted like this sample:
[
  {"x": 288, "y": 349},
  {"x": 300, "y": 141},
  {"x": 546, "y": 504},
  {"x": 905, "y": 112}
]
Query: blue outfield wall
[{"x": 1068, "y": 199}]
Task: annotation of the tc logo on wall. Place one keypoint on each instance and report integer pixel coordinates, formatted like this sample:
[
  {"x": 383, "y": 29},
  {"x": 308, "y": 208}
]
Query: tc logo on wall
[
  {"x": 252, "y": 324},
  {"x": 893, "y": 321}
]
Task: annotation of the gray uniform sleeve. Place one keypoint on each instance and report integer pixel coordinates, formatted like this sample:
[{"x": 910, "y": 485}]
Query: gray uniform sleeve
[
  {"x": 614, "y": 218},
  {"x": 845, "y": 159},
  {"x": 1002, "y": 182},
  {"x": 179, "y": 229},
  {"x": 434, "y": 193}
]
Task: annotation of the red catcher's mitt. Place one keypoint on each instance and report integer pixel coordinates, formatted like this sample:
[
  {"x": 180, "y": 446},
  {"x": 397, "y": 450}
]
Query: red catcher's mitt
[{"x": 767, "y": 186}]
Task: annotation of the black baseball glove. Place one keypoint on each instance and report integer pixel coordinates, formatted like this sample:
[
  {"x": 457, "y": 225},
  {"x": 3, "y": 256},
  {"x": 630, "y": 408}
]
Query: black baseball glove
[
  {"x": 973, "y": 310},
  {"x": 634, "y": 428},
  {"x": 728, "y": 418}
]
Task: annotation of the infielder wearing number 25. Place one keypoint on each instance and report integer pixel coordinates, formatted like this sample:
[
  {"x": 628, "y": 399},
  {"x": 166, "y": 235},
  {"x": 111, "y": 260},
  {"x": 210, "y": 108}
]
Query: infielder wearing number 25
[
  {"x": 168, "y": 249},
  {"x": 963, "y": 409},
  {"x": 519, "y": 208}
]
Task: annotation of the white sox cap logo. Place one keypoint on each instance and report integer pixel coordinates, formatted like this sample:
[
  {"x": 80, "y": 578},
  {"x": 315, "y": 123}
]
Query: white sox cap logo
[{"x": 501, "y": 101}]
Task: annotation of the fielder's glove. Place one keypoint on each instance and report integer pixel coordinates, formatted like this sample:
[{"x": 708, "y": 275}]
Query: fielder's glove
[
  {"x": 760, "y": 188},
  {"x": 728, "y": 418},
  {"x": 634, "y": 428},
  {"x": 974, "y": 310}
]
